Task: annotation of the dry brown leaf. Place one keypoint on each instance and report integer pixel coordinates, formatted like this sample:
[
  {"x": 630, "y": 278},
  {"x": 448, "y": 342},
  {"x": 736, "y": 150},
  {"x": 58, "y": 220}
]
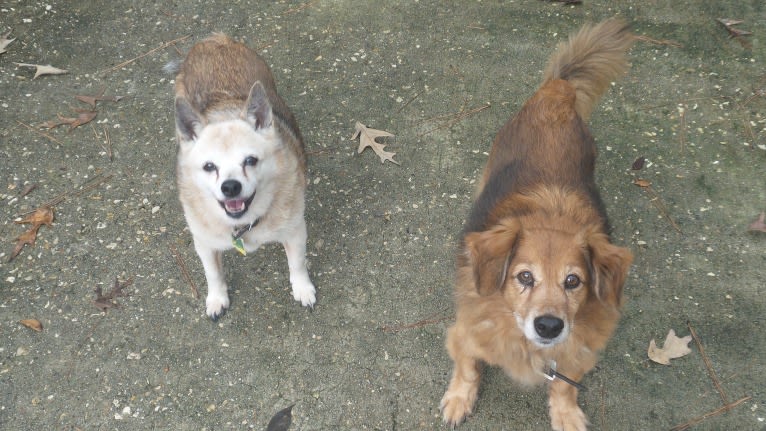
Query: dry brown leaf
[
  {"x": 91, "y": 100},
  {"x": 84, "y": 117},
  {"x": 734, "y": 32},
  {"x": 673, "y": 347},
  {"x": 105, "y": 301},
  {"x": 4, "y": 42},
  {"x": 759, "y": 224},
  {"x": 367, "y": 138},
  {"x": 642, "y": 182},
  {"x": 33, "y": 324},
  {"x": 43, "y": 69},
  {"x": 41, "y": 216}
]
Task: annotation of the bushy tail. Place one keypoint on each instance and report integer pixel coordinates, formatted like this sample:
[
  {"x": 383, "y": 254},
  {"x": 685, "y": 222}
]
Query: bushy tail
[{"x": 590, "y": 60}]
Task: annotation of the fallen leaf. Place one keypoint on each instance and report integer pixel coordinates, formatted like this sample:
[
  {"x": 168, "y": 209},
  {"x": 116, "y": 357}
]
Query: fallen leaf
[
  {"x": 4, "y": 42},
  {"x": 672, "y": 348},
  {"x": 367, "y": 138},
  {"x": 91, "y": 100},
  {"x": 43, "y": 69},
  {"x": 84, "y": 117},
  {"x": 759, "y": 224},
  {"x": 41, "y": 216},
  {"x": 642, "y": 182},
  {"x": 33, "y": 324},
  {"x": 282, "y": 420},
  {"x": 105, "y": 301},
  {"x": 734, "y": 32},
  {"x": 638, "y": 164},
  {"x": 27, "y": 190}
]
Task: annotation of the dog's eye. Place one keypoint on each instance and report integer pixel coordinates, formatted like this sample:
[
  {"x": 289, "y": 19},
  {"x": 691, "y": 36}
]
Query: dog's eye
[
  {"x": 250, "y": 161},
  {"x": 209, "y": 167},
  {"x": 525, "y": 278},
  {"x": 571, "y": 281}
]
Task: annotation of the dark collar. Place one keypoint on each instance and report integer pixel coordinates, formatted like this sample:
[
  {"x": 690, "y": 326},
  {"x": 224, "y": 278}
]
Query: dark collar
[{"x": 238, "y": 231}]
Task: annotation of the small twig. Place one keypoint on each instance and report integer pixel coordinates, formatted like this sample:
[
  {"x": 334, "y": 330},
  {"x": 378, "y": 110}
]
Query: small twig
[
  {"x": 125, "y": 63},
  {"x": 317, "y": 152},
  {"x": 40, "y": 133},
  {"x": 300, "y": 8},
  {"x": 683, "y": 102},
  {"x": 657, "y": 202},
  {"x": 455, "y": 118},
  {"x": 711, "y": 372},
  {"x": 682, "y": 131},
  {"x": 648, "y": 39},
  {"x": 709, "y": 415},
  {"x": 184, "y": 271},
  {"x": 108, "y": 144},
  {"x": 602, "y": 410},
  {"x": 61, "y": 197},
  {"x": 420, "y": 323},
  {"x": 408, "y": 102}
]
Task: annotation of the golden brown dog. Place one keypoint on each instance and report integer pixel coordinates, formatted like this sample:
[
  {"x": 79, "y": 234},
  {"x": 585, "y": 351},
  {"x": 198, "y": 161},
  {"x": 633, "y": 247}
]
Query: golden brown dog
[{"x": 539, "y": 285}]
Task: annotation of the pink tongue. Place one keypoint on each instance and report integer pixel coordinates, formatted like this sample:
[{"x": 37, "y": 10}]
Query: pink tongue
[{"x": 235, "y": 205}]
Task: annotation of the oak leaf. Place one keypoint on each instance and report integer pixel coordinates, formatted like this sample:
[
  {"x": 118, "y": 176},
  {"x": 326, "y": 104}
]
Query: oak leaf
[
  {"x": 673, "y": 347},
  {"x": 642, "y": 182},
  {"x": 32, "y": 324},
  {"x": 40, "y": 216},
  {"x": 104, "y": 301},
  {"x": 367, "y": 138},
  {"x": 4, "y": 42},
  {"x": 91, "y": 100},
  {"x": 84, "y": 117},
  {"x": 43, "y": 69}
]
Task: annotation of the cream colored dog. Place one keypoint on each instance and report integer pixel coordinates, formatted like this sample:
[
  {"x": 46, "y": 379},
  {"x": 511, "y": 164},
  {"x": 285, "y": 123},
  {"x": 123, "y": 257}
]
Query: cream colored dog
[{"x": 241, "y": 164}]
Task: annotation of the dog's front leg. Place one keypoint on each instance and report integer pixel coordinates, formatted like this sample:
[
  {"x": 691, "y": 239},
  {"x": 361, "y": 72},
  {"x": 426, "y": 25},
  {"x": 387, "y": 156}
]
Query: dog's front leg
[
  {"x": 295, "y": 249},
  {"x": 217, "y": 296},
  {"x": 463, "y": 389},
  {"x": 566, "y": 415}
]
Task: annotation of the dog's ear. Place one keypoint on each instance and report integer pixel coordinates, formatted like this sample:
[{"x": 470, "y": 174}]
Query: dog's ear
[
  {"x": 258, "y": 107},
  {"x": 188, "y": 122},
  {"x": 609, "y": 265},
  {"x": 490, "y": 252}
]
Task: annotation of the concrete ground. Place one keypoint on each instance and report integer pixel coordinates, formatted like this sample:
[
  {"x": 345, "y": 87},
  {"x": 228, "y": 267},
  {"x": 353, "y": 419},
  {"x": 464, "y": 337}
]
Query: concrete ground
[{"x": 382, "y": 236}]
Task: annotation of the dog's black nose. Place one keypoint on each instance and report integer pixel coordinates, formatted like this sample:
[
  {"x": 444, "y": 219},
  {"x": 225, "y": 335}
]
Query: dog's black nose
[
  {"x": 231, "y": 188},
  {"x": 548, "y": 326}
]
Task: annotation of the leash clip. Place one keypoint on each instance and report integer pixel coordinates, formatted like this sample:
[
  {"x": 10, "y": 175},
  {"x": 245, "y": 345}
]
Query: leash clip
[{"x": 552, "y": 374}]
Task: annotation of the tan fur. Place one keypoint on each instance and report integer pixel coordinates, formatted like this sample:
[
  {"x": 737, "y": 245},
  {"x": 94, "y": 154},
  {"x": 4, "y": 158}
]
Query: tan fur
[
  {"x": 230, "y": 118},
  {"x": 538, "y": 214}
]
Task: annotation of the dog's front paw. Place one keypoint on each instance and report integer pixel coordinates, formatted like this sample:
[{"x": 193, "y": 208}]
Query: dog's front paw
[
  {"x": 566, "y": 418},
  {"x": 217, "y": 304},
  {"x": 455, "y": 408},
  {"x": 305, "y": 293}
]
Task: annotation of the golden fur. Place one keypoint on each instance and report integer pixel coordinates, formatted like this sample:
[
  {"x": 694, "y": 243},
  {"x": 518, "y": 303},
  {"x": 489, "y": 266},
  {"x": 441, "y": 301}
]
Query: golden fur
[{"x": 538, "y": 279}]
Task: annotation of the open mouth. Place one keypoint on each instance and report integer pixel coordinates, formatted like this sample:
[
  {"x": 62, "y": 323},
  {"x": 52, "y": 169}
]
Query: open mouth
[{"x": 235, "y": 208}]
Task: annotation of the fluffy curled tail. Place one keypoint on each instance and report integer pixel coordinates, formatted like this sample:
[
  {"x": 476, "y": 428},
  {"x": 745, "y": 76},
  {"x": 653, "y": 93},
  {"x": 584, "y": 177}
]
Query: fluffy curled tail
[{"x": 590, "y": 60}]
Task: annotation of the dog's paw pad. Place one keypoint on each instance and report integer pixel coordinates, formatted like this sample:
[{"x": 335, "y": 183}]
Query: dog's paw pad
[
  {"x": 216, "y": 306},
  {"x": 305, "y": 293},
  {"x": 455, "y": 409}
]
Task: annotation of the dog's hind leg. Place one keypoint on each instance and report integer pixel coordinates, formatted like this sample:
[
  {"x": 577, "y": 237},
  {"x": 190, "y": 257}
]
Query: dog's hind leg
[
  {"x": 295, "y": 249},
  {"x": 217, "y": 296}
]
